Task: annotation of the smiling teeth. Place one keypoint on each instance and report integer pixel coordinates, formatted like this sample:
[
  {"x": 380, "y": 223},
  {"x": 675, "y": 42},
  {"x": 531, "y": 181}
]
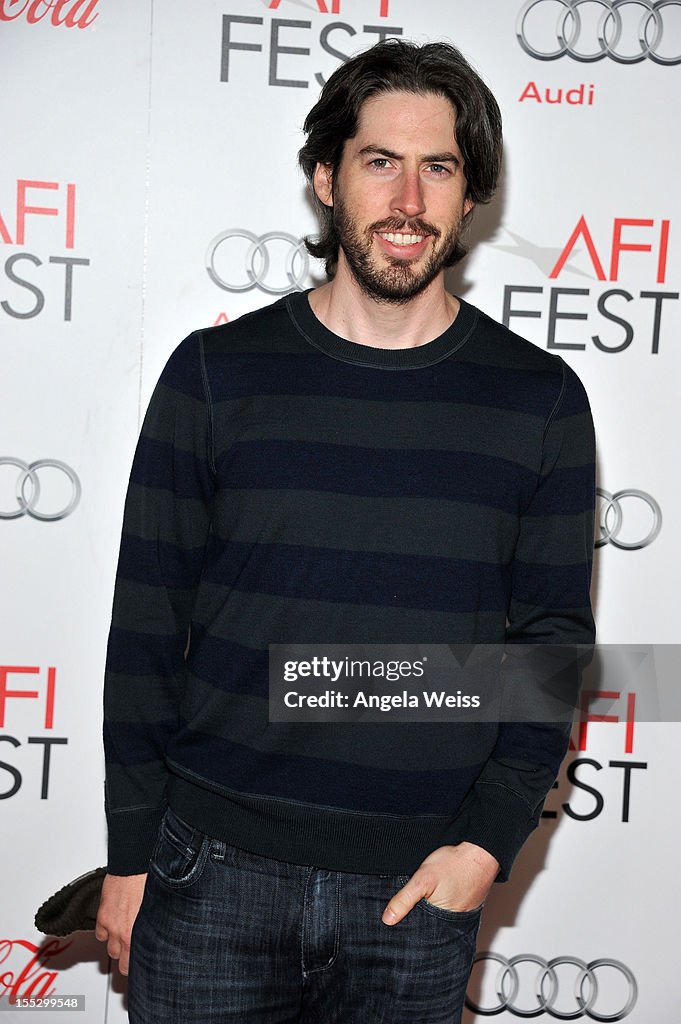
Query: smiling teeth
[{"x": 399, "y": 239}]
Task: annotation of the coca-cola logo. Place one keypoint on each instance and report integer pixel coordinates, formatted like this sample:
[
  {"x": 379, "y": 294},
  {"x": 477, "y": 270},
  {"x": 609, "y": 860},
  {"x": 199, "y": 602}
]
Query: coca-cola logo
[
  {"x": 69, "y": 13},
  {"x": 26, "y": 971}
]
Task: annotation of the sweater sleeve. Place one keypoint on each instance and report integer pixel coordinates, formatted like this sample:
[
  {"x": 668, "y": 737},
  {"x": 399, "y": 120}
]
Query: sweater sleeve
[
  {"x": 166, "y": 524},
  {"x": 549, "y": 605}
]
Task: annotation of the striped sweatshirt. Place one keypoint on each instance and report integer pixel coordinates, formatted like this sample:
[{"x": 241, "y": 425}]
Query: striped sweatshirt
[{"x": 291, "y": 486}]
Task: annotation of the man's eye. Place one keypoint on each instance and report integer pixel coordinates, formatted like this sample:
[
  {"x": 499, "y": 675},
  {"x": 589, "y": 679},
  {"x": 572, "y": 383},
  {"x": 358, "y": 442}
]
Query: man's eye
[
  {"x": 379, "y": 162},
  {"x": 439, "y": 169}
]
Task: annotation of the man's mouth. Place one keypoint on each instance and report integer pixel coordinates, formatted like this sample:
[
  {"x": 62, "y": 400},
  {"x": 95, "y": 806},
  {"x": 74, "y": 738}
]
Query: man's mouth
[{"x": 399, "y": 238}]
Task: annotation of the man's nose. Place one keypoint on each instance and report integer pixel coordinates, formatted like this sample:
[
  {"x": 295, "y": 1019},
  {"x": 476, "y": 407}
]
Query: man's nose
[{"x": 408, "y": 197}]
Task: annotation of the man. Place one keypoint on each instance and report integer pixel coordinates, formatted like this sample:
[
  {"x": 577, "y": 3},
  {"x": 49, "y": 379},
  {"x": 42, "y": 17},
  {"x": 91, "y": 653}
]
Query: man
[{"x": 372, "y": 461}]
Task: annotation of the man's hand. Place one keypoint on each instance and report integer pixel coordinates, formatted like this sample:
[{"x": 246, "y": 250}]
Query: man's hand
[
  {"x": 118, "y": 907},
  {"x": 453, "y": 877}
]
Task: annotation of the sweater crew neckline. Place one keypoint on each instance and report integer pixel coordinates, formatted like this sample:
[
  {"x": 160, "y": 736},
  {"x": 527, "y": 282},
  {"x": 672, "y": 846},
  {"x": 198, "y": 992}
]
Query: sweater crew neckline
[{"x": 316, "y": 334}]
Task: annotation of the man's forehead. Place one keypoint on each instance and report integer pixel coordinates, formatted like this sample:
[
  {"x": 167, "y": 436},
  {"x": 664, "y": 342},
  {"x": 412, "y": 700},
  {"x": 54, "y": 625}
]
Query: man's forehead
[{"x": 411, "y": 113}]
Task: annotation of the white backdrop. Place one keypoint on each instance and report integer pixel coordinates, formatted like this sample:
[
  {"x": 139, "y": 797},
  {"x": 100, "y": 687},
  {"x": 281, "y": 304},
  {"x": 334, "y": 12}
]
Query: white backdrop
[{"x": 136, "y": 133}]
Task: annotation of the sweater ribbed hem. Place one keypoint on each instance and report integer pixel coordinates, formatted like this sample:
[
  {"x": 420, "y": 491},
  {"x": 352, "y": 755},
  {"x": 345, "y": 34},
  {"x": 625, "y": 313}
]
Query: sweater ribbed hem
[{"x": 323, "y": 837}]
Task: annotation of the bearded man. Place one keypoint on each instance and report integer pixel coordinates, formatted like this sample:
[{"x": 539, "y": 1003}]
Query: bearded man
[{"x": 372, "y": 461}]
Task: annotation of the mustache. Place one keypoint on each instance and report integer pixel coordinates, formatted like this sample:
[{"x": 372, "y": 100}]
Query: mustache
[{"x": 414, "y": 227}]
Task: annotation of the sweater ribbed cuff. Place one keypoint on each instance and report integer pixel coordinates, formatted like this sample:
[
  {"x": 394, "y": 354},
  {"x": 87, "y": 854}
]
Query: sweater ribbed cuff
[
  {"x": 496, "y": 819},
  {"x": 132, "y": 836}
]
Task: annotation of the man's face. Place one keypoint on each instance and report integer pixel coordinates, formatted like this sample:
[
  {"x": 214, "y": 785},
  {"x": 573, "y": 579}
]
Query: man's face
[{"x": 399, "y": 194}]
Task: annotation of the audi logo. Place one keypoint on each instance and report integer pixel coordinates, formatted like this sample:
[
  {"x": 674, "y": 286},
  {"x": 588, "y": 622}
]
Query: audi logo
[
  {"x": 544, "y": 996},
  {"x": 274, "y": 268},
  {"x": 606, "y": 39},
  {"x": 611, "y": 519},
  {"x": 27, "y": 491}
]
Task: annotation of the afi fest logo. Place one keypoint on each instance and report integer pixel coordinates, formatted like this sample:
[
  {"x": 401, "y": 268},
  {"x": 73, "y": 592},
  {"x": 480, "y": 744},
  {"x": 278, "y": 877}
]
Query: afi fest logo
[
  {"x": 596, "y": 787},
  {"x": 34, "y": 281},
  {"x": 638, "y": 245},
  {"x": 323, "y": 8},
  {"x": 69, "y": 13},
  {"x": 283, "y": 47},
  {"x": 27, "y": 754},
  {"x": 26, "y": 972}
]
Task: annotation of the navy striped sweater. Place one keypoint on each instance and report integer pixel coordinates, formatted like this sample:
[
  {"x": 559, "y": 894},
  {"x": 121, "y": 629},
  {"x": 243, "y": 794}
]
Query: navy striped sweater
[{"x": 290, "y": 486}]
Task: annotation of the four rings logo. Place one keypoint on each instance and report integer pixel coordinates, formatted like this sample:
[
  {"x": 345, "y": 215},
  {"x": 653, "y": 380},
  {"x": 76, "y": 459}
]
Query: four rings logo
[
  {"x": 544, "y": 996},
  {"x": 611, "y": 519},
  {"x": 616, "y": 20},
  {"x": 28, "y": 490},
  {"x": 276, "y": 262}
]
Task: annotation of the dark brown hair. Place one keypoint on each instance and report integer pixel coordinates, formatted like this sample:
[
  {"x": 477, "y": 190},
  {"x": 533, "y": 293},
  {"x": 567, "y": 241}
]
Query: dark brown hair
[{"x": 395, "y": 65}]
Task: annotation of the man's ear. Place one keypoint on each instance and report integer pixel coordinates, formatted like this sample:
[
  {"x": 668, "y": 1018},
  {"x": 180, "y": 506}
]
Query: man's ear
[
  {"x": 322, "y": 181},
  {"x": 468, "y": 205}
]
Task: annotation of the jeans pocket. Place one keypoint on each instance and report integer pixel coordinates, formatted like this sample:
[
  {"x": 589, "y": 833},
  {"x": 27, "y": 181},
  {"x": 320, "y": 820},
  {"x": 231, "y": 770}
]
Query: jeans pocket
[
  {"x": 462, "y": 917},
  {"x": 180, "y": 853}
]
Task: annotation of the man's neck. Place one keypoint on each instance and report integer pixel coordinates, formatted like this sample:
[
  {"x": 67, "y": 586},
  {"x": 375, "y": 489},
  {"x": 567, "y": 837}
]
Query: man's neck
[{"x": 349, "y": 312}]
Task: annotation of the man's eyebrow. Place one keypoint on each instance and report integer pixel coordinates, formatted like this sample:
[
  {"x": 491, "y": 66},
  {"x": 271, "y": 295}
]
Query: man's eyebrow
[
  {"x": 442, "y": 158},
  {"x": 429, "y": 158}
]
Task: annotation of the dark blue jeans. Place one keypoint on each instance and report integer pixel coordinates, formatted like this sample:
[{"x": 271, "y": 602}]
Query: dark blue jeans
[{"x": 228, "y": 936}]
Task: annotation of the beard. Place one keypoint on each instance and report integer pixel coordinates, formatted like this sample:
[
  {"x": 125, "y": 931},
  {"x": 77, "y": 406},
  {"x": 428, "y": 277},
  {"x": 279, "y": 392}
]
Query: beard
[{"x": 386, "y": 278}]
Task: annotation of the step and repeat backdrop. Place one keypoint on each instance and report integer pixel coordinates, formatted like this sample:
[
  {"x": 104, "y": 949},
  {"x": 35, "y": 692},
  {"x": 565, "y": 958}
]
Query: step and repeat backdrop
[{"x": 148, "y": 186}]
